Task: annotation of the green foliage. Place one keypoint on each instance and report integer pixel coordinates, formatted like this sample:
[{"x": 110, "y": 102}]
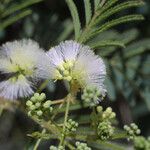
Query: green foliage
[
  {"x": 119, "y": 44},
  {"x": 88, "y": 11},
  {"x": 141, "y": 143},
  {"x": 75, "y": 16},
  {"x": 11, "y": 11},
  {"x": 98, "y": 22}
]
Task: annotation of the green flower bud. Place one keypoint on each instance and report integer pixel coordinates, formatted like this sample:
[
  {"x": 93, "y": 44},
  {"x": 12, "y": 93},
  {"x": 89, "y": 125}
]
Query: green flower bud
[
  {"x": 138, "y": 131},
  {"x": 113, "y": 115},
  {"x": 134, "y": 126},
  {"x": 132, "y": 130},
  {"x": 140, "y": 143},
  {"x": 127, "y": 128},
  {"x": 33, "y": 99},
  {"x": 37, "y": 105},
  {"x": 71, "y": 126},
  {"x": 29, "y": 113},
  {"x": 29, "y": 103},
  {"x": 47, "y": 104},
  {"x": 32, "y": 107},
  {"x": 42, "y": 97},
  {"x": 82, "y": 146},
  {"x": 36, "y": 95},
  {"x": 99, "y": 109},
  {"x": 39, "y": 113},
  {"x": 105, "y": 130},
  {"x": 56, "y": 148},
  {"x": 108, "y": 114},
  {"x": 91, "y": 95},
  {"x": 109, "y": 110},
  {"x": 50, "y": 109}
]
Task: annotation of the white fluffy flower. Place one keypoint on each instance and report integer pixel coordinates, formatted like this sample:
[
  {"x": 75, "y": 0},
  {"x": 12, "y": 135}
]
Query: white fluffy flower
[
  {"x": 77, "y": 63},
  {"x": 22, "y": 63}
]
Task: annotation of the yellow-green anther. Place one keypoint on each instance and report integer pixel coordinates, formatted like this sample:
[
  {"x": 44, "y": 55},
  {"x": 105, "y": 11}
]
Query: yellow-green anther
[
  {"x": 70, "y": 64},
  {"x": 66, "y": 72},
  {"x": 61, "y": 68},
  {"x": 68, "y": 78},
  {"x": 21, "y": 77}
]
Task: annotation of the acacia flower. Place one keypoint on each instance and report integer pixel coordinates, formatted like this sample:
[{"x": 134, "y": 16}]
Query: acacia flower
[
  {"x": 21, "y": 63},
  {"x": 78, "y": 64}
]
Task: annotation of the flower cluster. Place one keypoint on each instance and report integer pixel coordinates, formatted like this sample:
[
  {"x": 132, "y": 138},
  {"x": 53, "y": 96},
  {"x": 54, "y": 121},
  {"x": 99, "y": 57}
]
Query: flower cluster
[
  {"x": 91, "y": 95},
  {"x": 108, "y": 114},
  {"x": 23, "y": 63},
  {"x": 37, "y": 105},
  {"x": 77, "y": 63},
  {"x": 132, "y": 130},
  {"x": 56, "y": 148},
  {"x": 82, "y": 146},
  {"x": 71, "y": 126},
  {"x": 105, "y": 130},
  {"x": 141, "y": 143}
]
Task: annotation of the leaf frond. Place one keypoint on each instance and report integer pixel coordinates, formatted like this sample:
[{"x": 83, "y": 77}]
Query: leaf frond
[
  {"x": 88, "y": 11},
  {"x": 75, "y": 17}
]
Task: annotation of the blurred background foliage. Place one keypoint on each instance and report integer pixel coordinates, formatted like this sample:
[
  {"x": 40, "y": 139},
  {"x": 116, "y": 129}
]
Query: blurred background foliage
[{"x": 49, "y": 22}]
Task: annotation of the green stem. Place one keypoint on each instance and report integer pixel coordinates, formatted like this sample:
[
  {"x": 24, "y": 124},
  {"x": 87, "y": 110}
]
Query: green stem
[
  {"x": 65, "y": 121},
  {"x": 38, "y": 141},
  {"x": 43, "y": 85},
  {"x": 70, "y": 146}
]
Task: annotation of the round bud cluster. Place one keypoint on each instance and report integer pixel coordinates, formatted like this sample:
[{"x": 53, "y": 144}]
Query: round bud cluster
[
  {"x": 71, "y": 126},
  {"x": 64, "y": 71},
  {"x": 37, "y": 105},
  {"x": 108, "y": 114},
  {"x": 82, "y": 146},
  {"x": 140, "y": 143},
  {"x": 99, "y": 109},
  {"x": 105, "y": 130},
  {"x": 132, "y": 130},
  {"x": 91, "y": 95},
  {"x": 56, "y": 148}
]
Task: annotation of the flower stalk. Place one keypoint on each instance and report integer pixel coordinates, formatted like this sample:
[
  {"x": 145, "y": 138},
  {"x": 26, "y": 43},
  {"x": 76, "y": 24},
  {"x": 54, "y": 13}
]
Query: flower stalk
[{"x": 65, "y": 121}]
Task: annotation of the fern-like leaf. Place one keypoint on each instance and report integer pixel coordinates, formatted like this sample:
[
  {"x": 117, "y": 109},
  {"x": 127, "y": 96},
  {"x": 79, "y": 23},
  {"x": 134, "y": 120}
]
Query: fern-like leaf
[
  {"x": 108, "y": 25},
  {"x": 96, "y": 3},
  {"x": 88, "y": 11},
  {"x": 75, "y": 16},
  {"x": 118, "y": 8},
  {"x": 18, "y": 7},
  {"x": 107, "y": 43},
  {"x": 14, "y": 19},
  {"x": 107, "y": 5}
]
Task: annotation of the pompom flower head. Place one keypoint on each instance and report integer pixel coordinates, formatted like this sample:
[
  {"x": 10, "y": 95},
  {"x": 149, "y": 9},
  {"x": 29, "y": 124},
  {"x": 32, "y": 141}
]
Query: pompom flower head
[
  {"x": 78, "y": 64},
  {"x": 21, "y": 63}
]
